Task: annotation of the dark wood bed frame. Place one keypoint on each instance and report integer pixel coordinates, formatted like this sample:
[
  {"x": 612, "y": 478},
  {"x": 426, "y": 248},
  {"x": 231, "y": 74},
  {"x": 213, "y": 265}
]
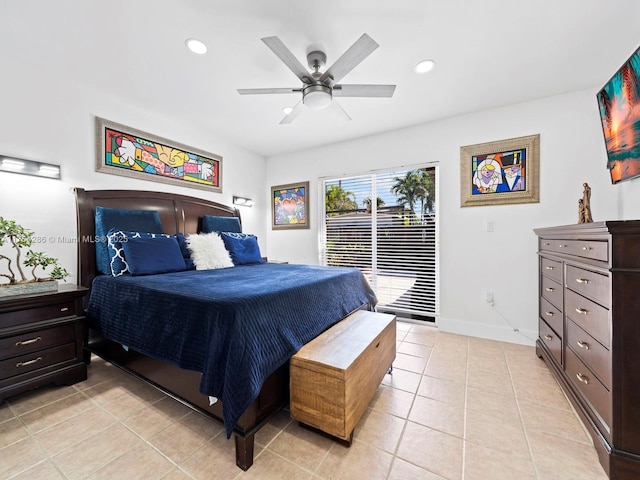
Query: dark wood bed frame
[{"x": 178, "y": 213}]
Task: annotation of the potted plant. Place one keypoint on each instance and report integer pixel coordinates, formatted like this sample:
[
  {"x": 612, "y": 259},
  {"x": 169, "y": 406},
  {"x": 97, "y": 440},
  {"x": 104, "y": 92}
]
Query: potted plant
[{"x": 18, "y": 237}]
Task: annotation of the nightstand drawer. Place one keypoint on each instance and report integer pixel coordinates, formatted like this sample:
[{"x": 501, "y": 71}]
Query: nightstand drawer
[
  {"x": 37, "y": 314},
  {"x": 35, "y": 360},
  {"x": 38, "y": 340}
]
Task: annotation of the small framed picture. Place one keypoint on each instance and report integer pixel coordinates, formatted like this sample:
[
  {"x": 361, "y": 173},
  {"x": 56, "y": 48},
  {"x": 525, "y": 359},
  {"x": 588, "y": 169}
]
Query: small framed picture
[{"x": 290, "y": 206}]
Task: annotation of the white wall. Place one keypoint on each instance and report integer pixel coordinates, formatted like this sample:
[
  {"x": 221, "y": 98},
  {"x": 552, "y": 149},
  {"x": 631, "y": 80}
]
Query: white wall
[
  {"x": 53, "y": 122},
  {"x": 472, "y": 260}
]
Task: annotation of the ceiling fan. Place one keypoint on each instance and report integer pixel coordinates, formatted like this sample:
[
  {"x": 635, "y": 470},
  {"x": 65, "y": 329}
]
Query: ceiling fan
[{"x": 318, "y": 88}]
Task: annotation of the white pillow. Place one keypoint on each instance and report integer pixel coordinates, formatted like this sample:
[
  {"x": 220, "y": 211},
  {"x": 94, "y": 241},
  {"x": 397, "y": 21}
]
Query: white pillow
[{"x": 208, "y": 251}]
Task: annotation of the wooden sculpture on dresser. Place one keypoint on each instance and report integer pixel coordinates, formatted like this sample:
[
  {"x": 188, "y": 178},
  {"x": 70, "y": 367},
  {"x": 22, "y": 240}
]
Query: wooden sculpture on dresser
[{"x": 584, "y": 205}]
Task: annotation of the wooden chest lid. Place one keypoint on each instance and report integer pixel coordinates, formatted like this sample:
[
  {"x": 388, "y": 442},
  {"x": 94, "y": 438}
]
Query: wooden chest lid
[{"x": 340, "y": 345}]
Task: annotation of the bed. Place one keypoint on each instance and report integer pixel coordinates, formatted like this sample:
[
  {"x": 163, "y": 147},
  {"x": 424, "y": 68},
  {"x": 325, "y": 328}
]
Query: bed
[{"x": 216, "y": 340}]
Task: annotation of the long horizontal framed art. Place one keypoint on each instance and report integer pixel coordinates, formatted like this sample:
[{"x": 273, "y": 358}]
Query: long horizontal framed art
[
  {"x": 502, "y": 172},
  {"x": 290, "y": 206},
  {"x": 133, "y": 153}
]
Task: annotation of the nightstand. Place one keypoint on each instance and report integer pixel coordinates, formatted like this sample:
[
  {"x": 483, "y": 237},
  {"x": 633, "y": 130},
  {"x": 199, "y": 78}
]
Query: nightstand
[{"x": 41, "y": 340}]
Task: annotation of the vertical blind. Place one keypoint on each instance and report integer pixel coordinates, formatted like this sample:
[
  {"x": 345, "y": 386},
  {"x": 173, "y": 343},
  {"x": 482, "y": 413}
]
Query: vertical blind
[{"x": 368, "y": 223}]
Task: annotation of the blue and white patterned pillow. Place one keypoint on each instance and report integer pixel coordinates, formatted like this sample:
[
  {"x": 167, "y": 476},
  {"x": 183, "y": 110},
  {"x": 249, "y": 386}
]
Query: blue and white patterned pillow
[{"x": 115, "y": 238}]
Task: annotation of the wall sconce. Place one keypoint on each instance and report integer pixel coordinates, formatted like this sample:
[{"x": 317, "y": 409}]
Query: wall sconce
[
  {"x": 245, "y": 202},
  {"x": 29, "y": 167}
]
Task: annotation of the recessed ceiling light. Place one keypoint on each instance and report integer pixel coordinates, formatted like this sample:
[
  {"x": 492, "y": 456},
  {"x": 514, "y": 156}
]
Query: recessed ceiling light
[
  {"x": 425, "y": 66},
  {"x": 287, "y": 110},
  {"x": 196, "y": 46}
]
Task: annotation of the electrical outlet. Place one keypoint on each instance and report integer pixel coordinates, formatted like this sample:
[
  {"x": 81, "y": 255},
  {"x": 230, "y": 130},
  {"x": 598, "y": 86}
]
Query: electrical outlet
[{"x": 489, "y": 298}]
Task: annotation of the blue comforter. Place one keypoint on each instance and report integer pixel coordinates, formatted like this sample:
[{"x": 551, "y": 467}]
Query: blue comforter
[{"x": 235, "y": 325}]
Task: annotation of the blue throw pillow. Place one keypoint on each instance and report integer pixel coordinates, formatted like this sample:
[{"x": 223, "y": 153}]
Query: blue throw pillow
[
  {"x": 132, "y": 220},
  {"x": 186, "y": 254},
  {"x": 151, "y": 255},
  {"x": 212, "y": 223},
  {"x": 117, "y": 259},
  {"x": 242, "y": 247}
]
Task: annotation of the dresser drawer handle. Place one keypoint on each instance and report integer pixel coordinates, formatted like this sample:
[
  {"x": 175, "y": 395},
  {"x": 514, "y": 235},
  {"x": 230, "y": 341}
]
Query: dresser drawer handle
[
  {"x": 560, "y": 245},
  {"x": 586, "y": 249},
  {"x": 548, "y": 337},
  {"x": 28, "y": 362},
  {"x": 582, "y": 280},
  {"x": 546, "y": 244},
  {"x": 549, "y": 289},
  {"x": 28, "y": 342},
  {"x": 64, "y": 309},
  {"x": 582, "y": 344},
  {"x": 583, "y": 378},
  {"x": 549, "y": 268},
  {"x": 582, "y": 311},
  {"x": 549, "y": 314}
]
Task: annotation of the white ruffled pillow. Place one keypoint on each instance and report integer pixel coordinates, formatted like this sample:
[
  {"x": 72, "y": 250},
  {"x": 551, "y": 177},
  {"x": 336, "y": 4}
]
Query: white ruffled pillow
[{"x": 208, "y": 251}]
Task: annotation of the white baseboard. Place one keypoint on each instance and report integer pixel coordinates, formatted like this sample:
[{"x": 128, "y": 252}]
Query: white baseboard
[{"x": 492, "y": 332}]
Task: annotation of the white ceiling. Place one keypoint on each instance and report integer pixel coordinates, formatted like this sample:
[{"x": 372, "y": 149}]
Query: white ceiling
[{"x": 488, "y": 53}]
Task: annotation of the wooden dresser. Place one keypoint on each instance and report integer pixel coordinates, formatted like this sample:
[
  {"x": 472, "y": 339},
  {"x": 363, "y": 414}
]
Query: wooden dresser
[
  {"x": 589, "y": 331},
  {"x": 41, "y": 340}
]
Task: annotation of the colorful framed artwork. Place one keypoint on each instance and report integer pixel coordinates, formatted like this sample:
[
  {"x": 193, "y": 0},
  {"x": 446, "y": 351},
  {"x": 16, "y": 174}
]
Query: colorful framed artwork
[
  {"x": 132, "y": 153},
  {"x": 499, "y": 173},
  {"x": 290, "y": 206}
]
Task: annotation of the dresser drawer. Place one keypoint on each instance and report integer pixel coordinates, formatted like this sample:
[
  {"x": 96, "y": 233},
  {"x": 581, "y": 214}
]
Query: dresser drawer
[
  {"x": 552, "y": 291},
  {"x": 588, "y": 249},
  {"x": 596, "y": 250},
  {"x": 594, "y": 355},
  {"x": 590, "y": 284},
  {"x": 589, "y": 316},
  {"x": 31, "y": 342},
  {"x": 551, "y": 315},
  {"x": 594, "y": 392},
  {"x": 551, "y": 268},
  {"x": 552, "y": 341},
  {"x": 36, "y": 314},
  {"x": 36, "y": 360}
]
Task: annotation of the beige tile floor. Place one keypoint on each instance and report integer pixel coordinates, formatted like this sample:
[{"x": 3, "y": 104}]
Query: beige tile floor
[{"x": 454, "y": 408}]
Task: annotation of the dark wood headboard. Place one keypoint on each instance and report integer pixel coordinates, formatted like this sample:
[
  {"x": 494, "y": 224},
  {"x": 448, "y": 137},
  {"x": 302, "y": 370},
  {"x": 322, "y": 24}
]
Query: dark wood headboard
[{"x": 178, "y": 213}]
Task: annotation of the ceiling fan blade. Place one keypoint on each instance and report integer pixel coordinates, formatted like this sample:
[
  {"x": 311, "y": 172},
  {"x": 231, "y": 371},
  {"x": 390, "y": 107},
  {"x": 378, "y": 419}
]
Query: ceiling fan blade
[
  {"x": 339, "y": 108},
  {"x": 284, "y": 54},
  {"x": 297, "y": 110},
  {"x": 354, "y": 90},
  {"x": 355, "y": 54},
  {"x": 260, "y": 91}
]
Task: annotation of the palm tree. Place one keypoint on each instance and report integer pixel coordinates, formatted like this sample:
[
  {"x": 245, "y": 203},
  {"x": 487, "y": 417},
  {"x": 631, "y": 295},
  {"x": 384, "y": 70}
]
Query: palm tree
[
  {"x": 426, "y": 192},
  {"x": 408, "y": 189},
  {"x": 338, "y": 200},
  {"x": 367, "y": 203}
]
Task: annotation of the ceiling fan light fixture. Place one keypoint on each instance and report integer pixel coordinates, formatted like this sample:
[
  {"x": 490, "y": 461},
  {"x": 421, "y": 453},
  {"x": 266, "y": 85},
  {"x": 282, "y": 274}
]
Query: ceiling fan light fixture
[
  {"x": 425, "y": 66},
  {"x": 317, "y": 96},
  {"x": 196, "y": 46}
]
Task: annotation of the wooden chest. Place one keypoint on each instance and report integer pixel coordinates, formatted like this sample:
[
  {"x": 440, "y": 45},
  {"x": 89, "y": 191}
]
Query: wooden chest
[{"x": 334, "y": 377}]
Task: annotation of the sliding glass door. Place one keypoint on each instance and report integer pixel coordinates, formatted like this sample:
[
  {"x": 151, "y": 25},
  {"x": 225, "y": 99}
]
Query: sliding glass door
[{"x": 385, "y": 223}]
